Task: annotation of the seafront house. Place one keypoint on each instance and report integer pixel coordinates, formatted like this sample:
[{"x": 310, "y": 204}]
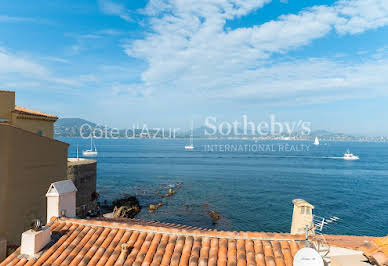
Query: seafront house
[
  {"x": 30, "y": 160},
  {"x": 27, "y": 119}
]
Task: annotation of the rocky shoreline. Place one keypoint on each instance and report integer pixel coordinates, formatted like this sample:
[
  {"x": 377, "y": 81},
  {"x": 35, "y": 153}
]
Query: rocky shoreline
[{"x": 130, "y": 206}]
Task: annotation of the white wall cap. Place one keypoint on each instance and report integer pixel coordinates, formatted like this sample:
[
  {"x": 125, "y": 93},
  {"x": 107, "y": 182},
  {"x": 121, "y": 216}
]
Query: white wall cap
[
  {"x": 302, "y": 203},
  {"x": 61, "y": 187}
]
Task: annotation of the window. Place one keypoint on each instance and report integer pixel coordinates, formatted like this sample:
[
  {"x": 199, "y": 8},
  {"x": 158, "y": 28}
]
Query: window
[
  {"x": 302, "y": 210},
  {"x": 40, "y": 133}
]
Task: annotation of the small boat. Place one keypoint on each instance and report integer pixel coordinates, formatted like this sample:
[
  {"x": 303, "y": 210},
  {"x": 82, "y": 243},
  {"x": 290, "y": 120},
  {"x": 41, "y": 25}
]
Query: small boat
[
  {"x": 92, "y": 152},
  {"x": 350, "y": 156},
  {"x": 316, "y": 141},
  {"x": 191, "y": 145}
]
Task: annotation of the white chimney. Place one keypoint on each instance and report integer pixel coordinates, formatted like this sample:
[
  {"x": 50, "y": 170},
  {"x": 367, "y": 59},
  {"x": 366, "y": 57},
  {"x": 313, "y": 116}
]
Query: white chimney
[
  {"x": 302, "y": 216},
  {"x": 61, "y": 199},
  {"x": 34, "y": 241}
]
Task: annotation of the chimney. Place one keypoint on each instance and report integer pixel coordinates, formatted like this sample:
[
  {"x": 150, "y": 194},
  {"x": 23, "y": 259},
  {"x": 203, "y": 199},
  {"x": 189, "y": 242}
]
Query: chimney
[
  {"x": 35, "y": 239},
  {"x": 301, "y": 216},
  {"x": 61, "y": 199}
]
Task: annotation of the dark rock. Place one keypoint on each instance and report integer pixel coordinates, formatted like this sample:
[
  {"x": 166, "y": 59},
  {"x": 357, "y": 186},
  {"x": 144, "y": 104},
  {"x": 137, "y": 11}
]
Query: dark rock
[
  {"x": 127, "y": 207},
  {"x": 154, "y": 207},
  {"x": 215, "y": 216},
  {"x": 125, "y": 211},
  {"x": 127, "y": 201}
]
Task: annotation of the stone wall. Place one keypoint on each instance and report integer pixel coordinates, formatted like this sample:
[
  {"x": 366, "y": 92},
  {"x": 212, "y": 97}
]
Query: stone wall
[{"x": 83, "y": 173}]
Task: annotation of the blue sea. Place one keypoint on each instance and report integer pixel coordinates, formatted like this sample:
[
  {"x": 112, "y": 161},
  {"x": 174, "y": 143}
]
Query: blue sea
[{"x": 251, "y": 184}]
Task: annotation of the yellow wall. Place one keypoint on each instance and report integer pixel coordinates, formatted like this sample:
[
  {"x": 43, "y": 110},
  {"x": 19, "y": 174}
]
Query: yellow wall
[
  {"x": 29, "y": 163},
  {"x": 7, "y": 104},
  {"x": 34, "y": 124}
]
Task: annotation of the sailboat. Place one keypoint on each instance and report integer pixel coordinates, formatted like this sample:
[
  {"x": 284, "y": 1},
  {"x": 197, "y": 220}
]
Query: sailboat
[
  {"x": 316, "y": 141},
  {"x": 92, "y": 152},
  {"x": 191, "y": 145}
]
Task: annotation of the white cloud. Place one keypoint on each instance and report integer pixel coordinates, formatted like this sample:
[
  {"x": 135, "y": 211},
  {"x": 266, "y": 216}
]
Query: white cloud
[
  {"x": 56, "y": 59},
  {"x": 314, "y": 79},
  {"x": 358, "y": 16},
  {"x": 18, "y": 71},
  {"x": 111, "y": 8},
  {"x": 12, "y": 19},
  {"x": 12, "y": 64},
  {"x": 131, "y": 90},
  {"x": 5, "y": 18},
  {"x": 189, "y": 48}
]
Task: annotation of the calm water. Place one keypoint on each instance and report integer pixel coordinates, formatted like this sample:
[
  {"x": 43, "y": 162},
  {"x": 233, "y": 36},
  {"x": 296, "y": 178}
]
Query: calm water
[{"x": 251, "y": 190}]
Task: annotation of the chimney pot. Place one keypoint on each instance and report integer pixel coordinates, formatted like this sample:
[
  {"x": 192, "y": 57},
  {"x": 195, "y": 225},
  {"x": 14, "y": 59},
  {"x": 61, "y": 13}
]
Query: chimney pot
[
  {"x": 36, "y": 225},
  {"x": 124, "y": 251},
  {"x": 124, "y": 247}
]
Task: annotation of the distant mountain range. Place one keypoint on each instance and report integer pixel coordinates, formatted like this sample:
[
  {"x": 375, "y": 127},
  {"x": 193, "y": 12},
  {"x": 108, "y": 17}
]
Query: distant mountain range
[{"x": 71, "y": 128}]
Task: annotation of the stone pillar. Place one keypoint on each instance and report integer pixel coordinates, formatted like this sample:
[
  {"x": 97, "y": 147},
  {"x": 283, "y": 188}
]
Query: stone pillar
[
  {"x": 302, "y": 216},
  {"x": 83, "y": 173}
]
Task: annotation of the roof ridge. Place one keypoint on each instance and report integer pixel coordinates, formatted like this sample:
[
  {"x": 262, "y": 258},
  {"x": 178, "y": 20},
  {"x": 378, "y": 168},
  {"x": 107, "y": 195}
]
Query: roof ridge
[
  {"x": 178, "y": 231},
  {"x": 28, "y": 111}
]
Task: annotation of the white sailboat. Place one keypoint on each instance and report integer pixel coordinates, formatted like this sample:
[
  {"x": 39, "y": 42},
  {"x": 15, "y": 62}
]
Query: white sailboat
[
  {"x": 316, "y": 141},
  {"x": 191, "y": 145},
  {"x": 350, "y": 156},
  {"x": 92, "y": 152}
]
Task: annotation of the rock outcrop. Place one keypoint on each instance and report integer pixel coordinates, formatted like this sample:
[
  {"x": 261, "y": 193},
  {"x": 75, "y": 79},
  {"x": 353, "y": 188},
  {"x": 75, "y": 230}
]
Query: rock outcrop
[
  {"x": 214, "y": 215},
  {"x": 126, "y": 208}
]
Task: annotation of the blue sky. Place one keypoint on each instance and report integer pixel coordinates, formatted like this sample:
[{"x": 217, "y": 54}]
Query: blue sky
[{"x": 168, "y": 62}]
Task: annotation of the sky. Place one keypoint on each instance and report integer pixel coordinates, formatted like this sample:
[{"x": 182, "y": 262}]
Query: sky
[{"x": 168, "y": 62}]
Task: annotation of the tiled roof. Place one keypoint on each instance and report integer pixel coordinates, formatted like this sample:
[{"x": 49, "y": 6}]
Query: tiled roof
[
  {"x": 378, "y": 253},
  {"x": 100, "y": 242},
  {"x": 26, "y": 111},
  {"x": 374, "y": 248}
]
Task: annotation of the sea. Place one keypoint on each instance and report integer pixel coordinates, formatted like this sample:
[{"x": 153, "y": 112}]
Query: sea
[{"x": 250, "y": 184}]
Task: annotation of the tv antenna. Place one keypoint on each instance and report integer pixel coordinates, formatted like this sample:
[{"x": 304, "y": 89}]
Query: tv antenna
[{"x": 318, "y": 240}]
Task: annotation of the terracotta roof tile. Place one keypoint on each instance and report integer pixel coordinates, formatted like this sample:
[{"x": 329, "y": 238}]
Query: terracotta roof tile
[
  {"x": 136, "y": 242},
  {"x": 26, "y": 111},
  {"x": 379, "y": 253}
]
